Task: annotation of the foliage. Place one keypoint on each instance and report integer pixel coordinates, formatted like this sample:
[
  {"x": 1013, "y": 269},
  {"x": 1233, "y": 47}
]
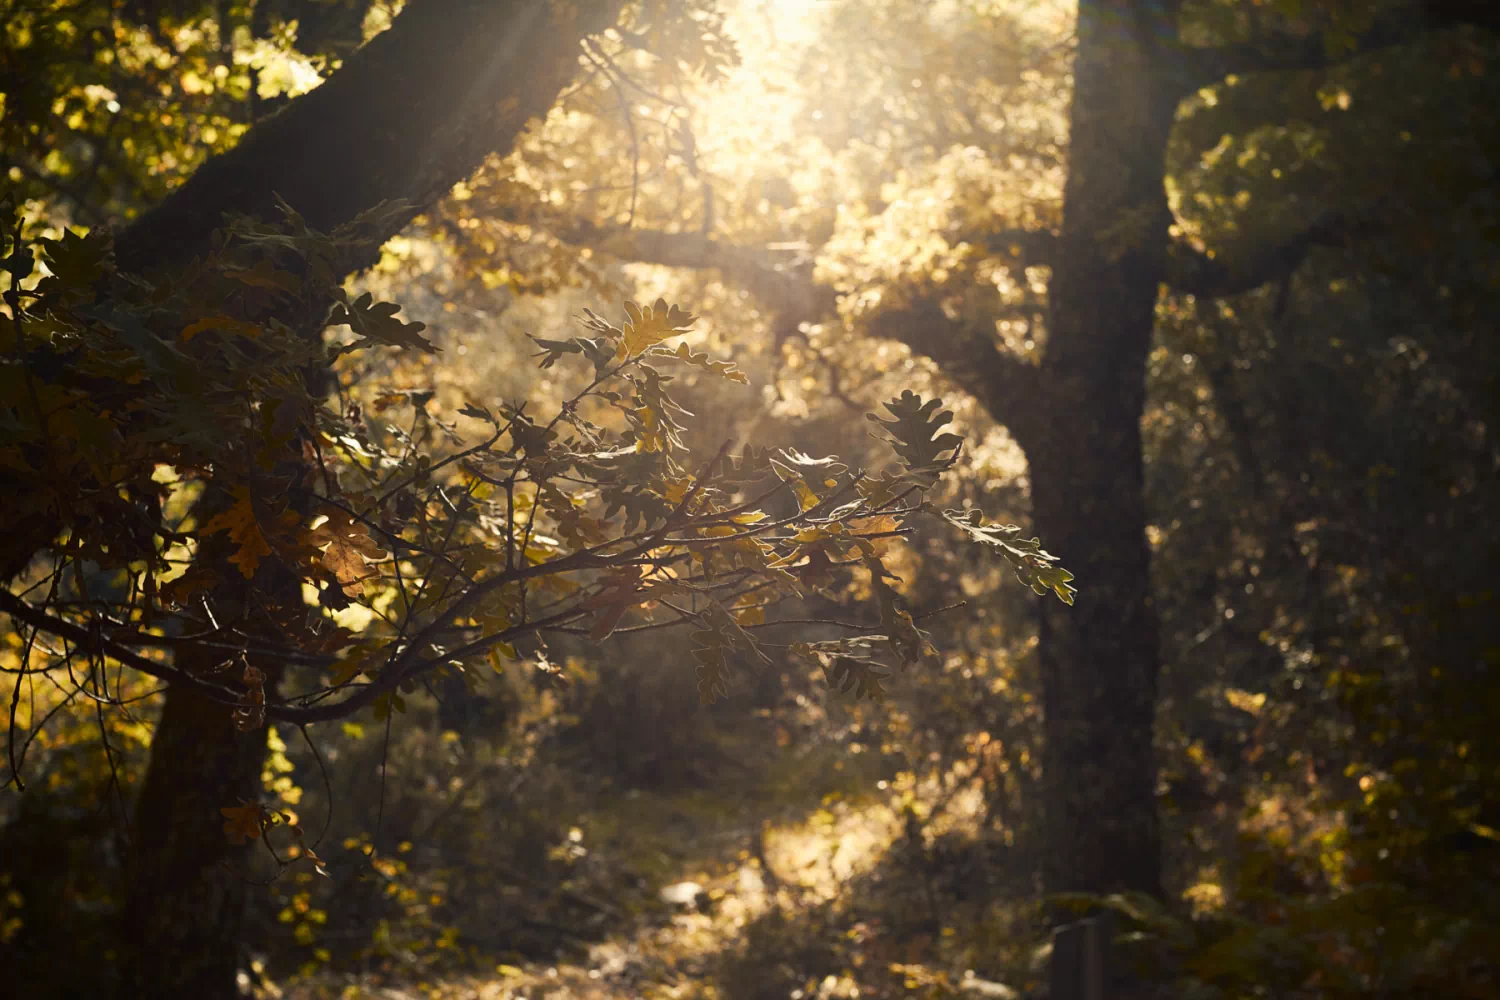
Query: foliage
[
  {"x": 427, "y": 551},
  {"x": 106, "y": 108}
]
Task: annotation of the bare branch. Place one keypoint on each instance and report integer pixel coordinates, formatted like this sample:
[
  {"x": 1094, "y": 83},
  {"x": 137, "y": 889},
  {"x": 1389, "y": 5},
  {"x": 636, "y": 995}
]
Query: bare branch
[
  {"x": 1004, "y": 386},
  {"x": 91, "y": 642},
  {"x": 757, "y": 270}
]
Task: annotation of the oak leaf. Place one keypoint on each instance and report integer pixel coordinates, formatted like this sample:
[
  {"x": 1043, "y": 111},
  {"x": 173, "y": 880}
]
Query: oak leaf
[
  {"x": 346, "y": 544},
  {"x": 653, "y": 324},
  {"x": 244, "y": 530},
  {"x": 243, "y": 822}
]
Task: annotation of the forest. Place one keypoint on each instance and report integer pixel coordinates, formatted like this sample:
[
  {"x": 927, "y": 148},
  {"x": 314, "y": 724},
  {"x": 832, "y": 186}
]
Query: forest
[{"x": 749, "y": 499}]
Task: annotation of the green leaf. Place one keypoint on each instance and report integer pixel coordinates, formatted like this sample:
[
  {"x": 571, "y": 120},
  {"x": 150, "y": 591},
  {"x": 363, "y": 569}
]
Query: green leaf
[
  {"x": 809, "y": 467},
  {"x": 77, "y": 261},
  {"x": 1034, "y": 567},
  {"x": 386, "y": 703},
  {"x": 598, "y": 350},
  {"x": 849, "y": 665},
  {"x": 20, "y": 263},
  {"x": 720, "y": 636},
  {"x": 534, "y": 439},
  {"x": 654, "y": 415},
  {"x": 641, "y": 508},
  {"x": 905, "y": 639},
  {"x": 712, "y": 670},
  {"x": 751, "y": 465},
  {"x": 861, "y": 676},
  {"x": 477, "y": 412},
  {"x": 264, "y": 274}
]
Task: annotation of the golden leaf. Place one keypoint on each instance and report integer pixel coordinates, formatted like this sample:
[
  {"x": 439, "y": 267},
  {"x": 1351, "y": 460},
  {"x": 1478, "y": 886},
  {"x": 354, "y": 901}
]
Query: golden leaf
[
  {"x": 225, "y": 323},
  {"x": 348, "y": 544},
  {"x": 244, "y": 530},
  {"x": 243, "y": 822},
  {"x": 652, "y": 325},
  {"x": 684, "y": 354}
]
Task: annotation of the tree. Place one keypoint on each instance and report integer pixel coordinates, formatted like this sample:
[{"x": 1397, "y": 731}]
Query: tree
[
  {"x": 1324, "y": 427},
  {"x": 1102, "y": 316},
  {"x": 393, "y": 126},
  {"x": 197, "y": 348},
  {"x": 1106, "y": 248},
  {"x": 1109, "y": 253}
]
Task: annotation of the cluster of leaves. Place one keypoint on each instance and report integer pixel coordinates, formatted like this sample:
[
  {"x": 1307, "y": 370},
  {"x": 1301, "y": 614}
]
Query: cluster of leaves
[
  {"x": 214, "y": 521},
  {"x": 108, "y": 106},
  {"x": 1034, "y": 566}
]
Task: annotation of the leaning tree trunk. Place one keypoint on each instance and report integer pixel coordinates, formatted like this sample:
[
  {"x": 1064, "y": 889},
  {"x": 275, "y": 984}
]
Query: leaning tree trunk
[
  {"x": 407, "y": 117},
  {"x": 412, "y": 113},
  {"x": 1100, "y": 659}
]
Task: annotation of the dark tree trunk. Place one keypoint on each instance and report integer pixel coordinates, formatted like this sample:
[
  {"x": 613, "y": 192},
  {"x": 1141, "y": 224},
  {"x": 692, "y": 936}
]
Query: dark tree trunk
[
  {"x": 185, "y": 898},
  {"x": 412, "y": 113},
  {"x": 186, "y": 881},
  {"x": 1100, "y": 659}
]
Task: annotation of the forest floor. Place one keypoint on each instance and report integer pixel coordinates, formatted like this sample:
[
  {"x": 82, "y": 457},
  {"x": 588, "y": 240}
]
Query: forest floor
[{"x": 812, "y": 882}]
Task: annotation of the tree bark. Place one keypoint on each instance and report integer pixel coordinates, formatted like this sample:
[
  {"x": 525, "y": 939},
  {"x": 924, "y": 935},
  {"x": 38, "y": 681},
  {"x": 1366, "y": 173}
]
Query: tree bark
[
  {"x": 186, "y": 890},
  {"x": 408, "y": 116},
  {"x": 412, "y": 113},
  {"x": 1100, "y": 658}
]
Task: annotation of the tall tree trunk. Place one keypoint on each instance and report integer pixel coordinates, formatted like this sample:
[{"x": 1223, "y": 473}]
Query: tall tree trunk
[
  {"x": 1100, "y": 658},
  {"x": 186, "y": 880},
  {"x": 412, "y": 113},
  {"x": 186, "y": 891}
]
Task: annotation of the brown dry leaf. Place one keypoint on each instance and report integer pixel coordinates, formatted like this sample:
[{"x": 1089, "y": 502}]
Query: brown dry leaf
[
  {"x": 243, "y": 822},
  {"x": 348, "y": 544},
  {"x": 239, "y": 520}
]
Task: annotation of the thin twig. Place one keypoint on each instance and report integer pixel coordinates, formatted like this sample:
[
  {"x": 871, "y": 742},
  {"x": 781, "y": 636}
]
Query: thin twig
[
  {"x": 635, "y": 145},
  {"x": 327, "y": 784}
]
